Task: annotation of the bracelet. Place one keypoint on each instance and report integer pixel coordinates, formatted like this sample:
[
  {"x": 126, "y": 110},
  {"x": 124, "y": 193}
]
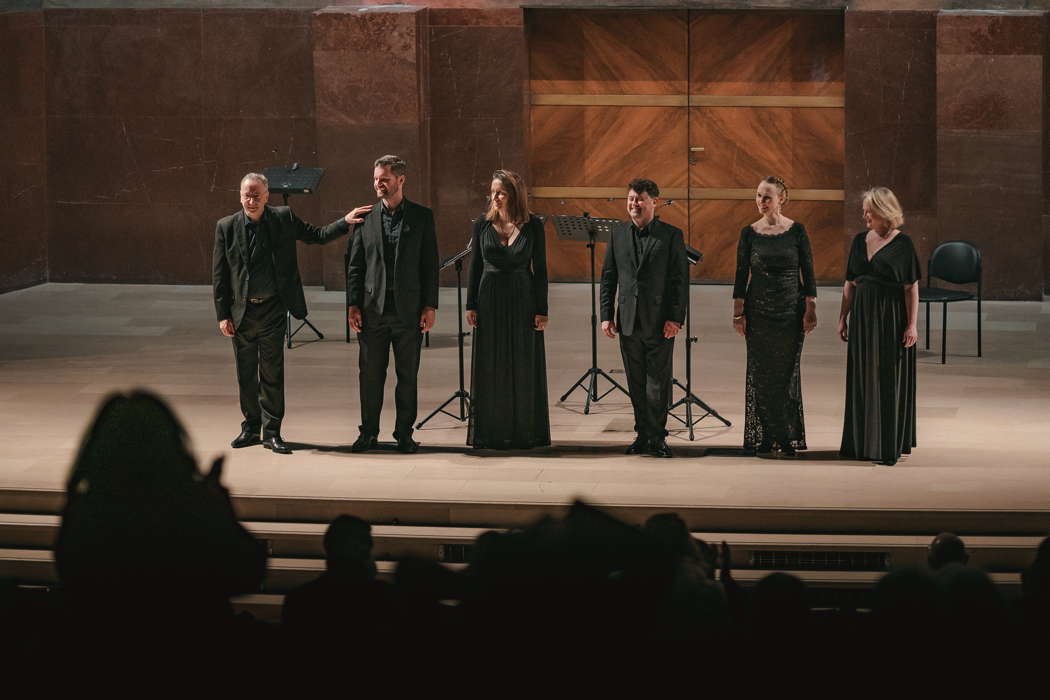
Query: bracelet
[{"x": 737, "y": 318}]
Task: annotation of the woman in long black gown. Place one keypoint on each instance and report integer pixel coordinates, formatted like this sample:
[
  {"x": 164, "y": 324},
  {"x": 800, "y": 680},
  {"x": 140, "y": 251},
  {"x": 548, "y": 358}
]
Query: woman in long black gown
[
  {"x": 880, "y": 303},
  {"x": 507, "y": 307},
  {"x": 774, "y": 306}
]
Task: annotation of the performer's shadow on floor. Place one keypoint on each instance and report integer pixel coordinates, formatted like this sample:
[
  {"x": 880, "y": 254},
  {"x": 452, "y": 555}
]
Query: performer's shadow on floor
[
  {"x": 802, "y": 456},
  {"x": 389, "y": 447}
]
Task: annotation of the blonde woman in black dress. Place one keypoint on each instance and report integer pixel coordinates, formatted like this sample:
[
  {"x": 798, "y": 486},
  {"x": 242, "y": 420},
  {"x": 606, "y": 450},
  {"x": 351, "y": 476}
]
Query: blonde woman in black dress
[
  {"x": 880, "y": 304},
  {"x": 507, "y": 307},
  {"x": 774, "y": 306}
]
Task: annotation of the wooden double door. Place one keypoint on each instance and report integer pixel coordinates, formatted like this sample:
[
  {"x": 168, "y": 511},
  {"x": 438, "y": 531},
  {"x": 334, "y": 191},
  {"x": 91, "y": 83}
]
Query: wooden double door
[{"x": 705, "y": 103}]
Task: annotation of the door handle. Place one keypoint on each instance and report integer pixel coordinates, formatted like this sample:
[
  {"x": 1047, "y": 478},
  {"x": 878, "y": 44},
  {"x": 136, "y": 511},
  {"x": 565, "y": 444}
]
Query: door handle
[{"x": 696, "y": 148}]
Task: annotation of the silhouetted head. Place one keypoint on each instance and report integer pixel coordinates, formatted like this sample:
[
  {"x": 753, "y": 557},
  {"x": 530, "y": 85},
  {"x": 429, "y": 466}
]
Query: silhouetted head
[
  {"x": 348, "y": 539},
  {"x": 906, "y": 599},
  {"x": 672, "y": 534},
  {"x": 971, "y": 601},
  {"x": 140, "y": 516},
  {"x": 947, "y": 548},
  {"x": 779, "y": 599}
]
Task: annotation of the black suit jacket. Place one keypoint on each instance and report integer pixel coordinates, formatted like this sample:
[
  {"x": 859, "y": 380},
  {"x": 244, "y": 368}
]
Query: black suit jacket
[
  {"x": 657, "y": 279},
  {"x": 416, "y": 264},
  {"x": 229, "y": 275}
]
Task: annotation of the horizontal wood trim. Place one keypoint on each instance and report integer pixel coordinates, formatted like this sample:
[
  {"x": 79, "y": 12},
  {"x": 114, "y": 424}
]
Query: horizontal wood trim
[
  {"x": 689, "y": 100},
  {"x": 767, "y": 101},
  {"x": 749, "y": 193},
  {"x": 600, "y": 192},
  {"x": 681, "y": 193},
  {"x": 611, "y": 100}
]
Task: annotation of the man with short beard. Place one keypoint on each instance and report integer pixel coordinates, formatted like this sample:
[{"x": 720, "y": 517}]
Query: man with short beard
[{"x": 392, "y": 293}]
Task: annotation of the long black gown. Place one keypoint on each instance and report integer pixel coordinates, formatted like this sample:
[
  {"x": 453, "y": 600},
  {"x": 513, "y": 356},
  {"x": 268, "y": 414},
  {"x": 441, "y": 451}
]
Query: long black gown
[
  {"x": 781, "y": 277},
  {"x": 880, "y": 372},
  {"x": 508, "y": 376}
]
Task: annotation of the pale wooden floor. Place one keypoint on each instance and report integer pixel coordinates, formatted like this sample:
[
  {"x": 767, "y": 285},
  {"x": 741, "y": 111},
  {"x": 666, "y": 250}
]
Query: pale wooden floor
[{"x": 983, "y": 423}]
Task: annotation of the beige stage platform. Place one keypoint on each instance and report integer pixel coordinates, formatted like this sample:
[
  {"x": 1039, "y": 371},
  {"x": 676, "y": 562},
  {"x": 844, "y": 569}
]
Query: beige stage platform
[{"x": 983, "y": 423}]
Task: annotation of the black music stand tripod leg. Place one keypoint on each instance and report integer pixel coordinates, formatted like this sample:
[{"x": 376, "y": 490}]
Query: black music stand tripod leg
[{"x": 462, "y": 394}]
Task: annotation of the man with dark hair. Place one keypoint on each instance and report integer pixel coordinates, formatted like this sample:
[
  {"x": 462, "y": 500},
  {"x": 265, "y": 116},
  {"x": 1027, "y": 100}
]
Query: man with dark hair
[
  {"x": 255, "y": 278},
  {"x": 947, "y": 548},
  {"x": 346, "y": 606},
  {"x": 644, "y": 287},
  {"x": 392, "y": 294}
]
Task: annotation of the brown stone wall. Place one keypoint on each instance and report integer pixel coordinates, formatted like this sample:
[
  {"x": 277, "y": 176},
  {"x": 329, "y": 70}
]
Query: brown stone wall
[
  {"x": 891, "y": 113},
  {"x": 478, "y": 74},
  {"x": 370, "y": 99},
  {"x": 153, "y": 117},
  {"x": 990, "y": 143},
  {"x": 23, "y": 171}
]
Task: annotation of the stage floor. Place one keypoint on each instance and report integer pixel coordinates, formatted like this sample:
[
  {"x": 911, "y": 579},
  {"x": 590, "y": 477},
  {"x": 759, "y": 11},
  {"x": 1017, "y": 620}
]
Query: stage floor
[{"x": 982, "y": 423}]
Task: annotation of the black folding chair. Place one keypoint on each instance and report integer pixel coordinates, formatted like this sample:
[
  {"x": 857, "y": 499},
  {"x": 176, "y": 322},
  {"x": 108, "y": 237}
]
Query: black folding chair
[{"x": 958, "y": 262}]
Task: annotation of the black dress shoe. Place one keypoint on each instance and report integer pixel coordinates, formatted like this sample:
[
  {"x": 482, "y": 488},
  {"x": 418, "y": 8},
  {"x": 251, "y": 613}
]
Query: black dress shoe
[
  {"x": 659, "y": 448},
  {"x": 364, "y": 443},
  {"x": 279, "y": 446},
  {"x": 639, "y": 447},
  {"x": 407, "y": 446},
  {"x": 246, "y": 439}
]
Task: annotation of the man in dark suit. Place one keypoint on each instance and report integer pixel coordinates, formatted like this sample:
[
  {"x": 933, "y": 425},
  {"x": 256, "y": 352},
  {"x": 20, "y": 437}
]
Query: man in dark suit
[
  {"x": 255, "y": 277},
  {"x": 644, "y": 287},
  {"x": 392, "y": 294}
]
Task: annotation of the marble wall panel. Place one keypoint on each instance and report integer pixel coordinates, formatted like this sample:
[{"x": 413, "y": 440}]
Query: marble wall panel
[
  {"x": 600, "y": 146},
  {"x": 891, "y": 112},
  {"x": 124, "y": 62},
  {"x": 113, "y": 243},
  {"x": 371, "y": 98},
  {"x": 23, "y": 168},
  {"x": 766, "y": 53},
  {"x": 150, "y": 110},
  {"x": 990, "y": 143},
  {"x": 633, "y": 52},
  {"x": 478, "y": 113},
  {"x": 259, "y": 64}
]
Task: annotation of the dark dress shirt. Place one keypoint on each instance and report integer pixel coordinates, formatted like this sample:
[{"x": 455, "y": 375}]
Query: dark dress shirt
[
  {"x": 392, "y": 221},
  {"x": 262, "y": 280}
]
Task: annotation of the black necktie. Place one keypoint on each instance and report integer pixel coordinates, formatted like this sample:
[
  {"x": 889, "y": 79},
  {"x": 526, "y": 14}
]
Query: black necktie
[{"x": 251, "y": 239}]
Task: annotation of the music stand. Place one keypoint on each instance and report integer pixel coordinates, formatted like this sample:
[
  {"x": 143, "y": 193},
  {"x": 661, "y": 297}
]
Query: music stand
[
  {"x": 462, "y": 394},
  {"x": 690, "y": 399},
  {"x": 286, "y": 181},
  {"x": 592, "y": 230}
]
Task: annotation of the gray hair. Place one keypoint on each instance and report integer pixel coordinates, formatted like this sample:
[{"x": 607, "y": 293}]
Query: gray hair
[
  {"x": 396, "y": 164},
  {"x": 256, "y": 177}
]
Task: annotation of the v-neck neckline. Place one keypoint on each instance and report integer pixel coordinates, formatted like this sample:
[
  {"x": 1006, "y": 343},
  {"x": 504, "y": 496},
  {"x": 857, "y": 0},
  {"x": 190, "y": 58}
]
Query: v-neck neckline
[{"x": 881, "y": 248}]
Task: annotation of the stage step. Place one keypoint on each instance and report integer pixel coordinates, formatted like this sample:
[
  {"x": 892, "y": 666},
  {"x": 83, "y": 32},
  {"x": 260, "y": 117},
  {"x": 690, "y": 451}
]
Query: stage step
[
  {"x": 798, "y": 551},
  {"x": 699, "y": 518}
]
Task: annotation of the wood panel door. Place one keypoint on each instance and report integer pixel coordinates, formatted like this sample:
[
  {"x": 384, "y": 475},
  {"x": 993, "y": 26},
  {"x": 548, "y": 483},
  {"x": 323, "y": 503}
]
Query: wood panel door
[
  {"x": 766, "y": 97},
  {"x": 618, "y": 94},
  {"x": 607, "y": 106}
]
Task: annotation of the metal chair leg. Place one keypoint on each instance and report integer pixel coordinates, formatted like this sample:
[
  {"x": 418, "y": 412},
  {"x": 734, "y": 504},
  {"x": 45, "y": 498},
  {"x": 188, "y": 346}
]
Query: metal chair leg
[
  {"x": 978, "y": 326},
  {"x": 927, "y": 325},
  {"x": 944, "y": 333}
]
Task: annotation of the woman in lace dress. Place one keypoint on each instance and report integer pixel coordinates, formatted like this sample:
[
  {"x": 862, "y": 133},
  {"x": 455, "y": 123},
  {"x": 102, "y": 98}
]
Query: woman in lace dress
[{"x": 774, "y": 306}]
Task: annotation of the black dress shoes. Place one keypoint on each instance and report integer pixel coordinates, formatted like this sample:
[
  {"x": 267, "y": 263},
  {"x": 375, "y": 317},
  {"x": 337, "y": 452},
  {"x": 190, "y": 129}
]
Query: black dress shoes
[
  {"x": 407, "y": 446},
  {"x": 659, "y": 448},
  {"x": 364, "y": 443},
  {"x": 639, "y": 447},
  {"x": 279, "y": 446},
  {"x": 245, "y": 439}
]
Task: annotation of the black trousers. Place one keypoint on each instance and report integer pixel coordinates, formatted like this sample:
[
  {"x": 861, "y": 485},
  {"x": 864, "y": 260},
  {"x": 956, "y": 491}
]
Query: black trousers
[
  {"x": 258, "y": 347},
  {"x": 648, "y": 362},
  {"x": 379, "y": 334}
]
